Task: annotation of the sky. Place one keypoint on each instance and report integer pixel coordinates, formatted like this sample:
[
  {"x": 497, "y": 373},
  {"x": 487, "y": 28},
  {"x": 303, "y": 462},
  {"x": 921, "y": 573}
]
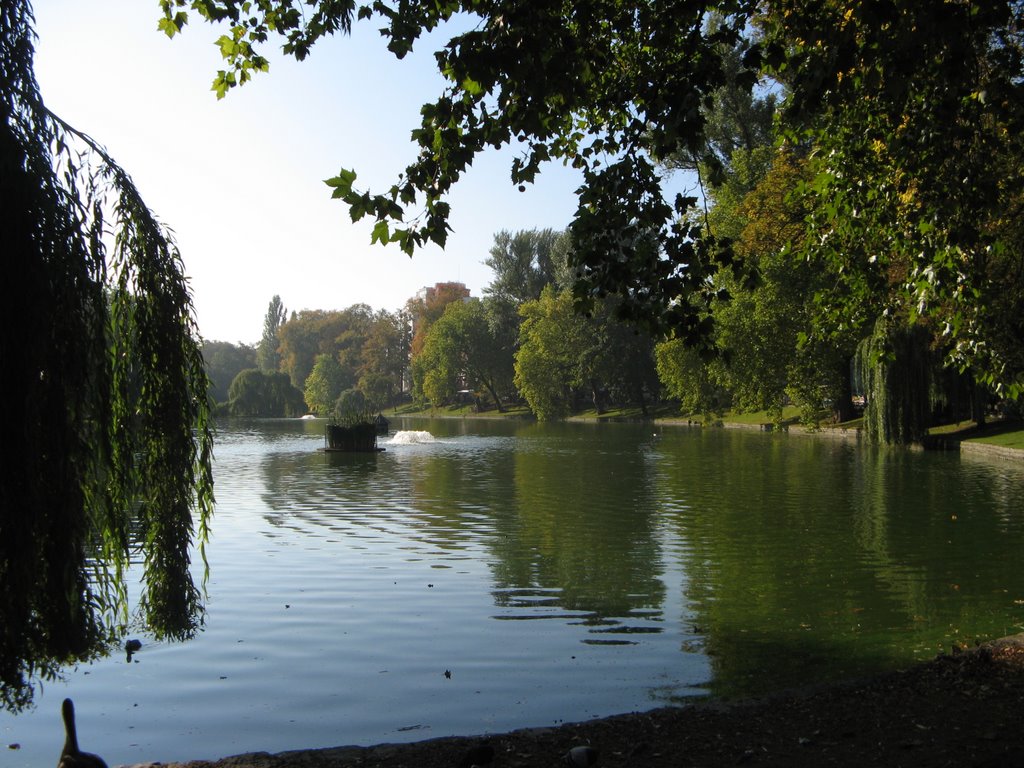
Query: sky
[{"x": 240, "y": 180}]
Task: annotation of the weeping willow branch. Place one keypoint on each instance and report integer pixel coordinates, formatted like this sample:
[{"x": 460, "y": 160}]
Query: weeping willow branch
[
  {"x": 108, "y": 394},
  {"x": 894, "y": 365}
]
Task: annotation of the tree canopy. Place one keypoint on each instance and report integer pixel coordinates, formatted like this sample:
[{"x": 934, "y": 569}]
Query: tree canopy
[
  {"x": 462, "y": 350},
  {"x": 108, "y": 395},
  {"x": 224, "y": 361},
  {"x": 914, "y": 109}
]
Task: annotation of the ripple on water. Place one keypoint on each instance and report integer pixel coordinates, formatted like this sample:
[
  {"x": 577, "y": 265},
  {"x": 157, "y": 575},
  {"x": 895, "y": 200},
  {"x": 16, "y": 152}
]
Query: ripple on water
[{"x": 558, "y": 572}]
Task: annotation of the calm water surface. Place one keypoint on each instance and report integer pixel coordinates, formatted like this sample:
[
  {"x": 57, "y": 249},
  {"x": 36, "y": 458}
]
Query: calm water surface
[{"x": 558, "y": 573}]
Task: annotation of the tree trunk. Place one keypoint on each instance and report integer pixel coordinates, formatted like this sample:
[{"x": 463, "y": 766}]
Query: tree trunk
[
  {"x": 595, "y": 396},
  {"x": 642, "y": 400},
  {"x": 489, "y": 386},
  {"x": 979, "y": 401},
  {"x": 844, "y": 410}
]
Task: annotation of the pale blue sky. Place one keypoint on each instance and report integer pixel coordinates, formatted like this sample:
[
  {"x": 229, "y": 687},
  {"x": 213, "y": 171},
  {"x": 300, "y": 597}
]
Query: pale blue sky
[{"x": 240, "y": 180}]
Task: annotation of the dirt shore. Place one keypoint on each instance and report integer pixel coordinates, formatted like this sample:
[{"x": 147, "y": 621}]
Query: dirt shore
[{"x": 961, "y": 709}]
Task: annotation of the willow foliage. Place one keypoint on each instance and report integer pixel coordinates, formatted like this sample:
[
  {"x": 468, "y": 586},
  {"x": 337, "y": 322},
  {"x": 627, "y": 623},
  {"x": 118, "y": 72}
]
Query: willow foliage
[
  {"x": 894, "y": 364},
  {"x": 109, "y": 444}
]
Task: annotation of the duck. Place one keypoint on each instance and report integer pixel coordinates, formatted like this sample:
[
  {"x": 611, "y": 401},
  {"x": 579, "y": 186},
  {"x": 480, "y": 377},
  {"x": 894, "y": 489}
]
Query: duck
[{"x": 71, "y": 756}]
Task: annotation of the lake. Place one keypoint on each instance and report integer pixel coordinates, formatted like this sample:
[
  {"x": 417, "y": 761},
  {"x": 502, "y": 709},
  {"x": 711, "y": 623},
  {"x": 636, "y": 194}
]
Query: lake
[{"x": 480, "y": 576}]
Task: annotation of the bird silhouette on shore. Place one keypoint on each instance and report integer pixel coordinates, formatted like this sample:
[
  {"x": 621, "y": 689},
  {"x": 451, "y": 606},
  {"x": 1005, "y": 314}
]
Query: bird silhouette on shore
[{"x": 71, "y": 756}]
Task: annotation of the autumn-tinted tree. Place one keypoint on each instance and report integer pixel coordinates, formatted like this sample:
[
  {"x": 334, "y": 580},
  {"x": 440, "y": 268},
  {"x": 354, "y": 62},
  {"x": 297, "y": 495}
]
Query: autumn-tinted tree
[
  {"x": 759, "y": 326},
  {"x": 339, "y": 333},
  {"x": 106, "y": 390},
  {"x": 300, "y": 343},
  {"x": 428, "y": 306}
]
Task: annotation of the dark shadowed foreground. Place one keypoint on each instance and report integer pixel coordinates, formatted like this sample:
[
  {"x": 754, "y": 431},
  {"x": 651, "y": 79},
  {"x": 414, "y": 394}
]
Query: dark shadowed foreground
[{"x": 964, "y": 709}]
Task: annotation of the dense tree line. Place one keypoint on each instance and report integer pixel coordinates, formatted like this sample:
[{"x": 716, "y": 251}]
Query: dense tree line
[
  {"x": 898, "y": 122},
  {"x": 526, "y": 342},
  {"x": 306, "y": 361}
]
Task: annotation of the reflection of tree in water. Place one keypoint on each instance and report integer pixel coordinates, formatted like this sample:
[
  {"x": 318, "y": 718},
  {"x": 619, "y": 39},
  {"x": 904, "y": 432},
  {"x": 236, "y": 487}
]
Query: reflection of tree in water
[
  {"x": 568, "y": 530},
  {"x": 436, "y": 501},
  {"x": 316, "y": 487},
  {"x": 578, "y": 534},
  {"x": 807, "y": 559}
]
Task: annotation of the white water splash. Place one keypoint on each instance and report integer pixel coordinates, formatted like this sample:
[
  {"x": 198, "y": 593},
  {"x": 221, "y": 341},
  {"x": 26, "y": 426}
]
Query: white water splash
[{"x": 411, "y": 437}]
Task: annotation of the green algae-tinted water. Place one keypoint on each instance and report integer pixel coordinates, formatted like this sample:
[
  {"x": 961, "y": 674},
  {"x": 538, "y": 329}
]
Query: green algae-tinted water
[{"x": 558, "y": 573}]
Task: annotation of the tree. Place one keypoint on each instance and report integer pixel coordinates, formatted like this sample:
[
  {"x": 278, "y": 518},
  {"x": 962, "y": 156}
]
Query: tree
[
  {"x": 738, "y": 120},
  {"x": 300, "y": 343},
  {"x": 266, "y": 353},
  {"x": 324, "y": 385},
  {"x": 618, "y": 357},
  {"x": 758, "y": 326},
  {"x": 604, "y": 86},
  {"x": 692, "y": 379},
  {"x": 916, "y": 112},
  {"x": 895, "y": 364},
  {"x": 350, "y": 343},
  {"x": 385, "y": 357},
  {"x": 353, "y": 409},
  {"x": 461, "y": 351},
  {"x": 906, "y": 100},
  {"x": 310, "y": 333},
  {"x": 103, "y": 370},
  {"x": 625, "y": 363},
  {"x": 427, "y": 307},
  {"x": 521, "y": 264},
  {"x": 554, "y": 360},
  {"x": 224, "y": 361},
  {"x": 255, "y": 393}
]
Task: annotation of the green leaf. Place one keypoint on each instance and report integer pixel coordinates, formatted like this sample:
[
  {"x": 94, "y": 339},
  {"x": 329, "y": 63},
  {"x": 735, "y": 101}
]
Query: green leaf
[
  {"x": 472, "y": 87},
  {"x": 381, "y": 234},
  {"x": 221, "y": 83},
  {"x": 342, "y": 183},
  {"x": 228, "y": 46},
  {"x": 171, "y": 27}
]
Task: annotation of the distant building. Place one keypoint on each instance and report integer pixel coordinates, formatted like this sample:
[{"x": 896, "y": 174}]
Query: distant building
[{"x": 428, "y": 293}]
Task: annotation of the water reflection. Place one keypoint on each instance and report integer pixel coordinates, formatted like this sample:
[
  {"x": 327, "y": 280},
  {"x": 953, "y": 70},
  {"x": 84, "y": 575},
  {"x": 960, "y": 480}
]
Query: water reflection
[
  {"x": 564, "y": 521},
  {"x": 559, "y": 573},
  {"x": 584, "y": 526},
  {"x": 807, "y": 559},
  {"x": 797, "y": 557}
]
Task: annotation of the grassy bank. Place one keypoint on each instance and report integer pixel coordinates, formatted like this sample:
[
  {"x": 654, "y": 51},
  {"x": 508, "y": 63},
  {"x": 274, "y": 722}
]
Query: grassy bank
[{"x": 1001, "y": 434}]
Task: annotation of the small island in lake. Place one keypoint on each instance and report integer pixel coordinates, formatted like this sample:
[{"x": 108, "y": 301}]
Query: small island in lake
[
  {"x": 360, "y": 437},
  {"x": 353, "y": 427}
]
